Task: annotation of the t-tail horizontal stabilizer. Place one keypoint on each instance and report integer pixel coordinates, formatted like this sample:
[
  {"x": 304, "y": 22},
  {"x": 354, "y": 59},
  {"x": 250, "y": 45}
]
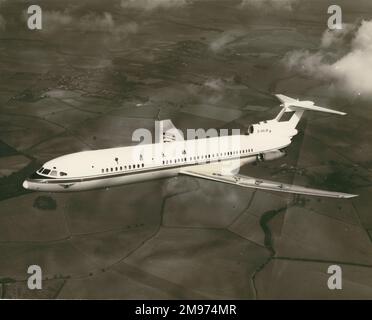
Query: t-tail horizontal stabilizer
[{"x": 292, "y": 105}]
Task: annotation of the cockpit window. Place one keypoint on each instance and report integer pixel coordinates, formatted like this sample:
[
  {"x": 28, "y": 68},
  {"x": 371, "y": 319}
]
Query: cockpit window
[
  {"x": 63, "y": 174},
  {"x": 53, "y": 173},
  {"x": 46, "y": 171},
  {"x": 41, "y": 169}
]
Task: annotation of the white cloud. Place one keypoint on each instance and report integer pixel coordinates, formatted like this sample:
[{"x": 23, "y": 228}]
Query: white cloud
[
  {"x": 152, "y": 4},
  {"x": 339, "y": 38},
  {"x": 286, "y": 5},
  {"x": 55, "y": 19},
  {"x": 345, "y": 57},
  {"x": 92, "y": 22},
  {"x": 106, "y": 23},
  {"x": 214, "y": 84},
  {"x": 126, "y": 29},
  {"x": 224, "y": 39}
]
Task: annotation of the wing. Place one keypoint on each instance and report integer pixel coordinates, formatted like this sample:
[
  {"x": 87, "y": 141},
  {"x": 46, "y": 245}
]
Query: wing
[{"x": 249, "y": 182}]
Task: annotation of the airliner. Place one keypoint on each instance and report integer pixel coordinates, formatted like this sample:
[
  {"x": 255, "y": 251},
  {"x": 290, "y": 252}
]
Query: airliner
[{"x": 213, "y": 158}]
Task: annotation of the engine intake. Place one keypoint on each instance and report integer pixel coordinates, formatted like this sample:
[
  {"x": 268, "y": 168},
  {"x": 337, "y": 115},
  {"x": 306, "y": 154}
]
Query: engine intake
[{"x": 268, "y": 156}]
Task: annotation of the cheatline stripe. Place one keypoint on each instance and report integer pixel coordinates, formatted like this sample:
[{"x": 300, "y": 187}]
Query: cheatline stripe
[{"x": 59, "y": 181}]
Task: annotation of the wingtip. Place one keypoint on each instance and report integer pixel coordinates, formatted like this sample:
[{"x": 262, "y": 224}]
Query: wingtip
[{"x": 350, "y": 196}]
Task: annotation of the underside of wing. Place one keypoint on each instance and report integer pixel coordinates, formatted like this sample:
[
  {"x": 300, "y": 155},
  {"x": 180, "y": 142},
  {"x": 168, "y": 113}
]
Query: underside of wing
[{"x": 249, "y": 182}]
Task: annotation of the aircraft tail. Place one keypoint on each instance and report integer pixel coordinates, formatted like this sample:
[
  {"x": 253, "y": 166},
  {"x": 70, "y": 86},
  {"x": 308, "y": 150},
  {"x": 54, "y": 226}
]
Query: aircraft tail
[{"x": 293, "y": 110}]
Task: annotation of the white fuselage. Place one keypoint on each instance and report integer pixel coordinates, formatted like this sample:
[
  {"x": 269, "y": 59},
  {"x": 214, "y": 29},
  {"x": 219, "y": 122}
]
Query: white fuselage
[{"x": 116, "y": 166}]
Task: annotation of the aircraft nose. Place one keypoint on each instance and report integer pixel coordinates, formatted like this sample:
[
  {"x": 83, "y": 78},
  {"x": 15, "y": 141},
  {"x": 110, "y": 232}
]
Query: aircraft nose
[{"x": 25, "y": 184}]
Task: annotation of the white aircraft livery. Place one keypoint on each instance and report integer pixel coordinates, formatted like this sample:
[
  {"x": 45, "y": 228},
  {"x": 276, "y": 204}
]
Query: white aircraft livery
[{"x": 214, "y": 158}]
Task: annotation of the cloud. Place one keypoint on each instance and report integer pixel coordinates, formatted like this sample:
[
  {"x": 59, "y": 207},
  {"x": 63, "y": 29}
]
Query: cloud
[
  {"x": 224, "y": 40},
  {"x": 105, "y": 23},
  {"x": 339, "y": 38},
  {"x": 214, "y": 84},
  {"x": 55, "y": 19},
  {"x": 286, "y": 5},
  {"x": 152, "y": 4},
  {"x": 91, "y": 22},
  {"x": 94, "y": 22},
  {"x": 344, "y": 57}
]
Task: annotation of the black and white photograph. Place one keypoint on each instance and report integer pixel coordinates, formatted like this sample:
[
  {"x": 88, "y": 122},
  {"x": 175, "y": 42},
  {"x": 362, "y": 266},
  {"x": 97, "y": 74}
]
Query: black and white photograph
[{"x": 177, "y": 150}]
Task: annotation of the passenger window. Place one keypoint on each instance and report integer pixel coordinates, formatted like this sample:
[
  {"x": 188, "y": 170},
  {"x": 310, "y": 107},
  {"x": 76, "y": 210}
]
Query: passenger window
[
  {"x": 138, "y": 165},
  {"x": 144, "y": 164},
  {"x": 130, "y": 167},
  {"x": 112, "y": 169},
  {"x": 121, "y": 168},
  {"x": 116, "y": 169}
]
